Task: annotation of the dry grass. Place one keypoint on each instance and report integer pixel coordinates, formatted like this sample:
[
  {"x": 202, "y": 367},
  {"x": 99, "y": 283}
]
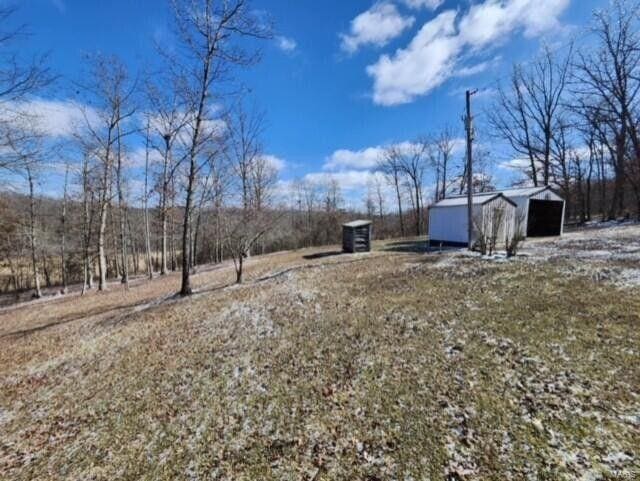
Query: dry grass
[{"x": 391, "y": 365}]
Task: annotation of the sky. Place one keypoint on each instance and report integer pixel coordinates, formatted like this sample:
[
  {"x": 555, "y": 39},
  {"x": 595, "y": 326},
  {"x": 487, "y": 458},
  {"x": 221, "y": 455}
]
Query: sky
[{"x": 340, "y": 79}]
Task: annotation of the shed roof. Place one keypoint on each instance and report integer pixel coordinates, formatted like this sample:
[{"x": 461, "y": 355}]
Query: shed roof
[
  {"x": 477, "y": 199},
  {"x": 357, "y": 223},
  {"x": 482, "y": 197},
  {"x": 524, "y": 191}
]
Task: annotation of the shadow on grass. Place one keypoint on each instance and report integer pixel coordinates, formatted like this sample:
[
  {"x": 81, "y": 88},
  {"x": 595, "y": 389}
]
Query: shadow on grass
[
  {"x": 321, "y": 255},
  {"x": 417, "y": 246},
  {"x": 113, "y": 313}
]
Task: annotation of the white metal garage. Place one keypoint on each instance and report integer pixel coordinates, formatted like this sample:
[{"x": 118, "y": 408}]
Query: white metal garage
[
  {"x": 448, "y": 218},
  {"x": 540, "y": 211}
]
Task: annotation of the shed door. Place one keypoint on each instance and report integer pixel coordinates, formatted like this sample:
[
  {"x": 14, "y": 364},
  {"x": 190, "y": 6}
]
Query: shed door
[{"x": 545, "y": 218}]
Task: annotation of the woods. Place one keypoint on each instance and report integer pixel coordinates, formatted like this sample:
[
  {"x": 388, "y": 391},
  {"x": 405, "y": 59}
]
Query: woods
[{"x": 166, "y": 167}]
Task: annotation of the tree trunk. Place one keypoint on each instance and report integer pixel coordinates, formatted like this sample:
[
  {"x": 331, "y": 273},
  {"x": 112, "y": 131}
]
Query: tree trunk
[
  {"x": 133, "y": 245},
  {"x": 45, "y": 269},
  {"x": 163, "y": 249},
  {"x": 102, "y": 257},
  {"x": 104, "y": 208},
  {"x": 196, "y": 231},
  {"x": 239, "y": 269},
  {"x": 399, "y": 197},
  {"x": 86, "y": 228},
  {"x": 185, "y": 288},
  {"x": 147, "y": 233},
  {"x": 418, "y": 213},
  {"x": 123, "y": 214},
  {"x": 32, "y": 231},
  {"x": 163, "y": 205},
  {"x": 63, "y": 245}
]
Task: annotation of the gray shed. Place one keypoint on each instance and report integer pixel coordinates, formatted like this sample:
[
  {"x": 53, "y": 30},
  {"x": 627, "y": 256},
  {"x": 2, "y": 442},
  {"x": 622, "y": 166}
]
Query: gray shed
[
  {"x": 540, "y": 211},
  {"x": 356, "y": 236},
  {"x": 448, "y": 218}
]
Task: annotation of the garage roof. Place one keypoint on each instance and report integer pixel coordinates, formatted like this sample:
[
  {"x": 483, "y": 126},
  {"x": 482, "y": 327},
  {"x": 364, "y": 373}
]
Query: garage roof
[
  {"x": 477, "y": 199},
  {"x": 524, "y": 191}
]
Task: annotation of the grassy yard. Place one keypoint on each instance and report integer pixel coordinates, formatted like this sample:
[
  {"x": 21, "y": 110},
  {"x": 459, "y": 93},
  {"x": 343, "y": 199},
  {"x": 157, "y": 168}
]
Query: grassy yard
[{"x": 390, "y": 365}]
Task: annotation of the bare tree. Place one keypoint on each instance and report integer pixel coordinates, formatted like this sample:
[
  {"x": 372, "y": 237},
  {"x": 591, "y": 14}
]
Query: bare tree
[
  {"x": 110, "y": 91},
  {"x": 18, "y": 78},
  {"x": 145, "y": 202},
  {"x": 264, "y": 177},
  {"x": 208, "y": 32},
  {"x": 169, "y": 119},
  {"x": 391, "y": 168},
  {"x": 412, "y": 161},
  {"x": 29, "y": 169},
  {"x": 308, "y": 193},
  {"x": 122, "y": 207},
  {"x": 564, "y": 171},
  {"x": 245, "y": 149},
  {"x": 210, "y": 188},
  {"x": 369, "y": 200},
  {"x": 445, "y": 144},
  {"x": 244, "y": 233},
  {"x": 607, "y": 86},
  {"x": 380, "y": 197},
  {"x": 88, "y": 197},
  {"x": 527, "y": 114}
]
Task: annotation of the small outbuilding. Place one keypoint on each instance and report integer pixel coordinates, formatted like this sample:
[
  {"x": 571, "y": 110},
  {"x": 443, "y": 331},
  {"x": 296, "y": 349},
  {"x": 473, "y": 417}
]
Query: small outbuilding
[
  {"x": 448, "y": 218},
  {"x": 533, "y": 212},
  {"x": 540, "y": 211},
  {"x": 356, "y": 236}
]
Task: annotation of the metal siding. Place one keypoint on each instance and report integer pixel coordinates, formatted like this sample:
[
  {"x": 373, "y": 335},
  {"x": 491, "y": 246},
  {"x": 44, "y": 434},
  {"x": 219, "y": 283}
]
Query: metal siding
[
  {"x": 547, "y": 195},
  {"x": 522, "y": 202},
  {"x": 448, "y": 223},
  {"x": 448, "y": 218},
  {"x": 508, "y": 221}
]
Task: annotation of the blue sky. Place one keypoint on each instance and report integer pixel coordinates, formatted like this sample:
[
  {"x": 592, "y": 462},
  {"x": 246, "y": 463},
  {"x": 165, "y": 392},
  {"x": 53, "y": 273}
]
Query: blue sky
[{"x": 341, "y": 78}]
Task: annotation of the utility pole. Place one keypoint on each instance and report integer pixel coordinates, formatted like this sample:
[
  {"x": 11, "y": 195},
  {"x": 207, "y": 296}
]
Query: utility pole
[{"x": 469, "y": 128}]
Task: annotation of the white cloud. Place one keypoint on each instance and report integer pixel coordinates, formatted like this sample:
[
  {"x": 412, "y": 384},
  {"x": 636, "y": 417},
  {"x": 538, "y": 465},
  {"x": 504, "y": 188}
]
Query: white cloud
[
  {"x": 275, "y": 162},
  {"x": 377, "y": 26},
  {"x": 359, "y": 159},
  {"x": 367, "y": 159},
  {"x": 286, "y": 44},
  {"x": 55, "y": 118},
  {"x": 417, "y": 4},
  {"x": 434, "y": 54},
  {"x": 518, "y": 164},
  {"x": 137, "y": 157},
  {"x": 350, "y": 181},
  {"x": 472, "y": 69}
]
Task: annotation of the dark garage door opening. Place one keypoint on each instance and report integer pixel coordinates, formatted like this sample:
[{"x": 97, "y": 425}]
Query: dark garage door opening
[{"x": 545, "y": 218}]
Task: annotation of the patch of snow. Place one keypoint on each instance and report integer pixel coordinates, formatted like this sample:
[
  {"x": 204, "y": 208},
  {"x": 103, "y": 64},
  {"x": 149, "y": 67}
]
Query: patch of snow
[
  {"x": 633, "y": 419},
  {"x": 617, "y": 459},
  {"x": 5, "y": 416}
]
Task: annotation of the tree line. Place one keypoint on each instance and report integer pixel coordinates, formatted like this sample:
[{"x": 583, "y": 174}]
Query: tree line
[
  {"x": 205, "y": 191},
  {"x": 201, "y": 149}
]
